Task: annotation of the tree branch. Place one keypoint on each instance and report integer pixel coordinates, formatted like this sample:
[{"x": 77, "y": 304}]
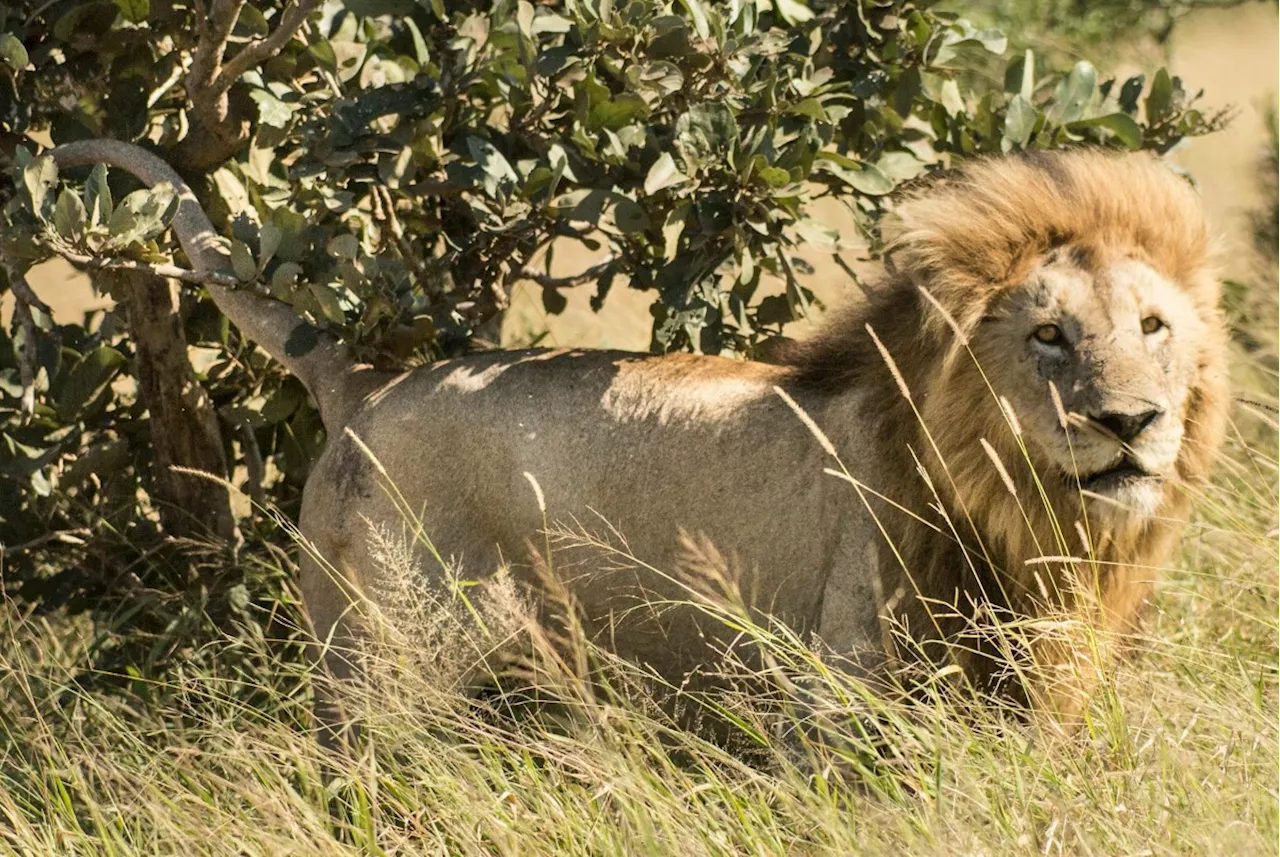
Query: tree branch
[
  {"x": 223, "y": 120},
  {"x": 215, "y": 29},
  {"x": 172, "y": 272},
  {"x": 256, "y": 53}
]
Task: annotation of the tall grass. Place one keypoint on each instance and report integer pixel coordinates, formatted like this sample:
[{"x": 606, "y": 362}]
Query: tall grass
[{"x": 1176, "y": 754}]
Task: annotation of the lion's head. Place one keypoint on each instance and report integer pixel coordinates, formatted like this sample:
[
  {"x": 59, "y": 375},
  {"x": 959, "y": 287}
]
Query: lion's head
[
  {"x": 1084, "y": 285},
  {"x": 1098, "y": 355},
  {"x": 1056, "y": 312}
]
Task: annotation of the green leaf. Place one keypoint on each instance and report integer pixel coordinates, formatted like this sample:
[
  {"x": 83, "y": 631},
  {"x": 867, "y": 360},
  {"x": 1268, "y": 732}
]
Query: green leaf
[
  {"x": 135, "y": 11},
  {"x": 550, "y": 22},
  {"x": 663, "y": 174},
  {"x": 867, "y": 179},
  {"x": 283, "y": 279},
  {"x": 97, "y": 196},
  {"x": 672, "y": 228},
  {"x": 242, "y": 262},
  {"x": 269, "y": 238},
  {"x": 345, "y": 246},
  {"x": 626, "y": 215},
  {"x": 524, "y": 18},
  {"x": 870, "y": 180},
  {"x": 1019, "y": 123},
  {"x": 69, "y": 215},
  {"x": 142, "y": 215},
  {"x": 810, "y": 107},
  {"x": 616, "y": 112},
  {"x": 322, "y": 52},
  {"x": 900, "y": 166},
  {"x": 251, "y": 23},
  {"x": 1127, "y": 130},
  {"x": 951, "y": 100},
  {"x": 497, "y": 168},
  {"x": 271, "y": 110},
  {"x": 86, "y": 381},
  {"x": 793, "y": 11},
  {"x": 12, "y": 52},
  {"x": 1160, "y": 100},
  {"x": 330, "y": 307},
  {"x": 699, "y": 16},
  {"x": 774, "y": 176},
  {"x": 420, "y": 51},
  {"x": 91, "y": 17},
  {"x": 40, "y": 177},
  {"x": 705, "y": 133},
  {"x": 1074, "y": 93}
]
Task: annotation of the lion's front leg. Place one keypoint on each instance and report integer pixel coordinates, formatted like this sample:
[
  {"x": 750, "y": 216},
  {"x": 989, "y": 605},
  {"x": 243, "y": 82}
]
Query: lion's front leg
[{"x": 853, "y": 640}]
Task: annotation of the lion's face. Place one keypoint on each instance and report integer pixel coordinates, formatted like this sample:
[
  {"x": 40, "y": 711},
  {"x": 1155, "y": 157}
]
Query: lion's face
[{"x": 1119, "y": 344}]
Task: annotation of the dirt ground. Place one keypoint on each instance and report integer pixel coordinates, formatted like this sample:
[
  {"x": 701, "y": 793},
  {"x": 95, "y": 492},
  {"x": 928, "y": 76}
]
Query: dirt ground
[{"x": 1231, "y": 53}]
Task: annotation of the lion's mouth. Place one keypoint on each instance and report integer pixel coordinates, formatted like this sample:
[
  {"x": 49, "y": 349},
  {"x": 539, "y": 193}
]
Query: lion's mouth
[{"x": 1126, "y": 472}]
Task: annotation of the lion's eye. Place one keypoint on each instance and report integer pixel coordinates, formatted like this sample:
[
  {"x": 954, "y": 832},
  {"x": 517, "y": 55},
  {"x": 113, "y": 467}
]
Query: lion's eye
[
  {"x": 1049, "y": 334},
  {"x": 1152, "y": 324}
]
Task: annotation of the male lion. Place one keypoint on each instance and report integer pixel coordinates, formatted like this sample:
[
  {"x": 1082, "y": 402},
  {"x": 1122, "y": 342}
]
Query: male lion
[{"x": 1039, "y": 375}]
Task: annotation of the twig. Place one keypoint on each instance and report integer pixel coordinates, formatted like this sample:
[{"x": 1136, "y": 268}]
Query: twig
[
  {"x": 172, "y": 272},
  {"x": 256, "y": 53},
  {"x": 547, "y": 281},
  {"x": 224, "y": 126},
  {"x": 71, "y": 537},
  {"x": 257, "y": 470},
  {"x": 385, "y": 210},
  {"x": 24, "y": 299}
]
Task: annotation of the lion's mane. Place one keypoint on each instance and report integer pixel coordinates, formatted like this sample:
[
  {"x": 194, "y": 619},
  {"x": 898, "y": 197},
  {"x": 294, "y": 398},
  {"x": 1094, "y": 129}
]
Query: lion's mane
[{"x": 955, "y": 245}]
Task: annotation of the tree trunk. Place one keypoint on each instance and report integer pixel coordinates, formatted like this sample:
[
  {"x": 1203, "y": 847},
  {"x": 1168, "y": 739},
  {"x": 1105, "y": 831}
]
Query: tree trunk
[{"x": 184, "y": 426}]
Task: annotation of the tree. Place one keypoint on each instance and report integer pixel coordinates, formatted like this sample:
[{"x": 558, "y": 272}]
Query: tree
[{"x": 390, "y": 169}]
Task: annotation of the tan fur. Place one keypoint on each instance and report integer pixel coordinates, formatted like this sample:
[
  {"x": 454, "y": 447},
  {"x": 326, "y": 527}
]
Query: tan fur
[
  {"x": 641, "y": 448},
  {"x": 979, "y": 502}
]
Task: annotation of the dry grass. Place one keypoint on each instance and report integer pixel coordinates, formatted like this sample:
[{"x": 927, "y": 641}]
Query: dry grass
[{"x": 1178, "y": 753}]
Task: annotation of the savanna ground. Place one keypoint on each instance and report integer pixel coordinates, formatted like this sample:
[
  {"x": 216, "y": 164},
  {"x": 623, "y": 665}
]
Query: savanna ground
[{"x": 1178, "y": 753}]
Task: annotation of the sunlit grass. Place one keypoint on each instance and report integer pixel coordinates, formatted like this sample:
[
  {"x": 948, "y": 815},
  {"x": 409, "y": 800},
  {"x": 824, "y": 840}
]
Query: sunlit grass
[{"x": 1177, "y": 754}]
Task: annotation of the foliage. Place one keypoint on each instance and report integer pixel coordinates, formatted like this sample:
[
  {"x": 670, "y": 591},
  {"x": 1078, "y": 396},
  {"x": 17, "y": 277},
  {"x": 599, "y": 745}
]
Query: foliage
[{"x": 391, "y": 168}]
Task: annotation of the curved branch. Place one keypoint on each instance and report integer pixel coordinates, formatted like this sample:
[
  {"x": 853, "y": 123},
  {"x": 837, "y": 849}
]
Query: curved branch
[
  {"x": 317, "y": 359},
  {"x": 168, "y": 272}
]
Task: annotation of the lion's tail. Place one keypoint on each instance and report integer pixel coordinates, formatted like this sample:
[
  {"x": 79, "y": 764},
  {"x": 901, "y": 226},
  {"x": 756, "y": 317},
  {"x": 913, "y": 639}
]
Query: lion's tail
[{"x": 317, "y": 359}]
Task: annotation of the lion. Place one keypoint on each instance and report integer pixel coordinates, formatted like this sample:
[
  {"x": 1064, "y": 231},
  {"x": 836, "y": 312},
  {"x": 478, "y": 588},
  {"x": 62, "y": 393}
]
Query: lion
[{"x": 1017, "y": 418}]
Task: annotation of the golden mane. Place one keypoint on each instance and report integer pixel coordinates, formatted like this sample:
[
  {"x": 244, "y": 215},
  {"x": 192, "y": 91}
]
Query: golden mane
[{"x": 956, "y": 244}]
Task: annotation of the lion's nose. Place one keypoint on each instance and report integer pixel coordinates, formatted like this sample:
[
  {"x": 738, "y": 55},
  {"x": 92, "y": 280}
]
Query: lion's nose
[{"x": 1126, "y": 426}]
